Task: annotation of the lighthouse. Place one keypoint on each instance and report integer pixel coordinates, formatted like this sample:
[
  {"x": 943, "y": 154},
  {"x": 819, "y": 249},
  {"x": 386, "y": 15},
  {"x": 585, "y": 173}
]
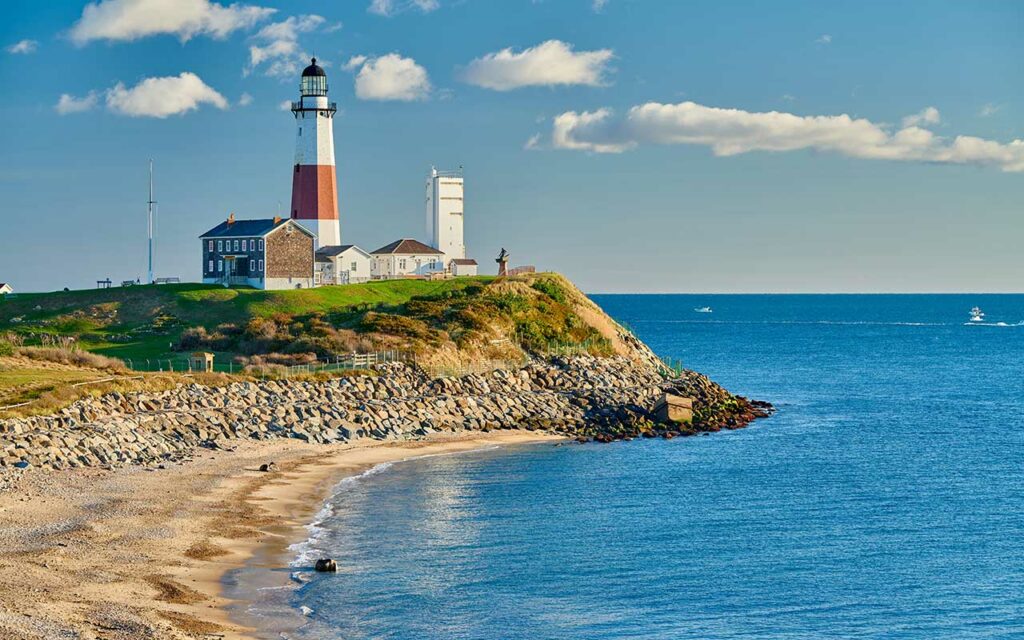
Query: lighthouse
[{"x": 314, "y": 183}]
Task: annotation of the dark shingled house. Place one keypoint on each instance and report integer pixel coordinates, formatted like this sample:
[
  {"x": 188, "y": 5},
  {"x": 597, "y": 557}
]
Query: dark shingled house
[{"x": 266, "y": 254}]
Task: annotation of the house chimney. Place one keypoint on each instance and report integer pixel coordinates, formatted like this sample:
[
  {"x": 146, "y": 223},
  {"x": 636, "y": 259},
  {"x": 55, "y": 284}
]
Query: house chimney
[
  {"x": 231, "y": 219},
  {"x": 277, "y": 220}
]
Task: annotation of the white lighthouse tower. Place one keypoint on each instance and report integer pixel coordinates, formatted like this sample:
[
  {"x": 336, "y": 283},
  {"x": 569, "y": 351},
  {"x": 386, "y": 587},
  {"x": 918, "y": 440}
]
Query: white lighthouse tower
[
  {"x": 445, "y": 213},
  {"x": 314, "y": 182}
]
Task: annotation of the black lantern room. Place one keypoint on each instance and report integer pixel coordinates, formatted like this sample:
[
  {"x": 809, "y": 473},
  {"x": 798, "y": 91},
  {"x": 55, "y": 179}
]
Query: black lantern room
[{"x": 314, "y": 80}]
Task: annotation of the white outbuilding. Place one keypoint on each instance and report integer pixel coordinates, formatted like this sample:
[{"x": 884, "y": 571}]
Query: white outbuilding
[
  {"x": 342, "y": 264},
  {"x": 462, "y": 267},
  {"x": 405, "y": 258}
]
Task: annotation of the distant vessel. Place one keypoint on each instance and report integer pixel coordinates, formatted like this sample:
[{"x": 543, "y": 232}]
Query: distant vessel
[
  {"x": 977, "y": 315},
  {"x": 703, "y": 309}
]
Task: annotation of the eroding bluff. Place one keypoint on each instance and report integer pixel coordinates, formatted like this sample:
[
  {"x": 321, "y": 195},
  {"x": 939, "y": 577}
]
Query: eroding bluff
[{"x": 582, "y": 397}]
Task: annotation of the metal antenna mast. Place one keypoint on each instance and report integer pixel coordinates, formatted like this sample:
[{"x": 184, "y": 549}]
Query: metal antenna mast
[{"x": 150, "y": 204}]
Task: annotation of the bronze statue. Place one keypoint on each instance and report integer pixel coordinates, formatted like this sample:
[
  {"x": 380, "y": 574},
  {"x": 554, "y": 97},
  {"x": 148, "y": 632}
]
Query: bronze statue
[{"x": 502, "y": 261}]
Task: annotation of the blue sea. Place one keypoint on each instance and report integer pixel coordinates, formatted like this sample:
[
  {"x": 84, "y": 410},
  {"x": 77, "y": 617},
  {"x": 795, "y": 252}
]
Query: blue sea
[{"x": 884, "y": 499}]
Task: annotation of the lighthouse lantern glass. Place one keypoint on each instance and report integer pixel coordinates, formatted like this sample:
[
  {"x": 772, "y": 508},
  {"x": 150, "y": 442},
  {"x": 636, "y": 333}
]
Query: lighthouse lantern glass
[{"x": 314, "y": 86}]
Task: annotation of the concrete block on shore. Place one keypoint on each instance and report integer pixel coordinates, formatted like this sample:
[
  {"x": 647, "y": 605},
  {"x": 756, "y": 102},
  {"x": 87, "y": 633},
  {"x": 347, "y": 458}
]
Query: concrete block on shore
[{"x": 672, "y": 408}]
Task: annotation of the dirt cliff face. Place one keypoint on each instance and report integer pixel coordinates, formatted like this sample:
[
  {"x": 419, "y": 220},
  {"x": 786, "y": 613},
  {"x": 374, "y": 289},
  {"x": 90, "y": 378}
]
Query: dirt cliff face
[{"x": 622, "y": 341}]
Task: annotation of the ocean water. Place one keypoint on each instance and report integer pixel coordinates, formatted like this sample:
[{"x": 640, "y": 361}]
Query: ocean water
[{"x": 884, "y": 499}]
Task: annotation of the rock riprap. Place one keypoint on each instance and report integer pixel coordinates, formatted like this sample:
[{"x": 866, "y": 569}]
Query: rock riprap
[{"x": 582, "y": 397}]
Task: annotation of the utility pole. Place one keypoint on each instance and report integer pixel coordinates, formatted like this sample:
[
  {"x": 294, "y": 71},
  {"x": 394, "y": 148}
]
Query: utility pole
[{"x": 150, "y": 204}]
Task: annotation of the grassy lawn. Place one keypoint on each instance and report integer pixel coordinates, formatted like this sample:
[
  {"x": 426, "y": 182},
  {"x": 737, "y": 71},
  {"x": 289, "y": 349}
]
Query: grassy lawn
[{"x": 141, "y": 322}]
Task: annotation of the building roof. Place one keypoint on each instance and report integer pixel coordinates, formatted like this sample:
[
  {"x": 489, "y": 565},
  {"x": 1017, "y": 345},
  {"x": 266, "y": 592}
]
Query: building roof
[
  {"x": 313, "y": 70},
  {"x": 407, "y": 247},
  {"x": 5, "y": 284},
  {"x": 239, "y": 228},
  {"x": 464, "y": 261},
  {"x": 330, "y": 252}
]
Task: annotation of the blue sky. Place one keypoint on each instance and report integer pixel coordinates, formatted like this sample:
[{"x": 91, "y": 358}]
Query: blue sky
[{"x": 703, "y": 189}]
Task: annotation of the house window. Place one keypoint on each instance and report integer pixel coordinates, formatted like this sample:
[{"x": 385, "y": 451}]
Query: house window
[
  {"x": 245, "y": 245},
  {"x": 220, "y": 245},
  {"x": 220, "y": 266},
  {"x": 261, "y": 266},
  {"x": 261, "y": 244},
  {"x": 211, "y": 246},
  {"x": 252, "y": 265},
  {"x": 401, "y": 263},
  {"x": 209, "y": 267},
  {"x": 236, "y": 245},
  {"x": 355, "y": 266}
]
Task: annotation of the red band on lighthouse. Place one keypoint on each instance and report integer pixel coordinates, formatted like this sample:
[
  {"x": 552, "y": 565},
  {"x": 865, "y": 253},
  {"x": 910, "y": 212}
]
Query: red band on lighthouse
[{"x": 314, "y": 193}]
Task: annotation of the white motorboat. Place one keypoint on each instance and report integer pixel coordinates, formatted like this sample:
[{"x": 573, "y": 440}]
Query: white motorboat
[
  {"x": 977, "y": 315},
  {"x": 703, "y": 309}
]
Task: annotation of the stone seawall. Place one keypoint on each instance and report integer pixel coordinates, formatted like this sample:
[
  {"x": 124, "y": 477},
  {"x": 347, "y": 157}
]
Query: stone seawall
[{"x": 582, "y": 397}]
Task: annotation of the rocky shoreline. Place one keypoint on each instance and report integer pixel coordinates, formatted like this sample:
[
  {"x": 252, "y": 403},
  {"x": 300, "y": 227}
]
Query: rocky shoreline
[{"x": 581, "y": 397}]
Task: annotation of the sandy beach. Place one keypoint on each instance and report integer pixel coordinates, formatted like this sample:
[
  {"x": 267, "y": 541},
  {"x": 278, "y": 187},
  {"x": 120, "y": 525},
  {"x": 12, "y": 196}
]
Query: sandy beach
[{"x": 141, "y": 552}]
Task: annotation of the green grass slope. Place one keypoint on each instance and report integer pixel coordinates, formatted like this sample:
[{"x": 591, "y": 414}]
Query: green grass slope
[{"x": 446, "y": 321}]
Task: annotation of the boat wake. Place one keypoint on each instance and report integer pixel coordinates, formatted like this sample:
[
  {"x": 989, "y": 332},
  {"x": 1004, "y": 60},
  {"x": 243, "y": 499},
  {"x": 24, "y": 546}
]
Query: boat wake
[{"x": 994, "y": 324}]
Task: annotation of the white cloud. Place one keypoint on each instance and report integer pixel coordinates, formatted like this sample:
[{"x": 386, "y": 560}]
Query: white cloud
[
  {"x": 389, "y": 8},
  {"x": 824, "y": 39},
  {"x": 23, "y": 47},
  {"x": 285, "y": 105},
  {"x": 134, "y": 19},
  {"x": 70, "y": 104},
  {"x": 733, "y": 131},
  {"x": 162, "y": 97},
  {"x": 389, "y": 77},
  {"x": 598, "y": 5},
  {"x": 928, "y": 115},
  {"x": 533, "y": 143},
  {"x": 989, "y": 110},
  {"x": 280, "y": 51},
  {"x": 354, "y": 63},
  {"x": 244, "y": 100},
  {"x": 549, "y": 63}
]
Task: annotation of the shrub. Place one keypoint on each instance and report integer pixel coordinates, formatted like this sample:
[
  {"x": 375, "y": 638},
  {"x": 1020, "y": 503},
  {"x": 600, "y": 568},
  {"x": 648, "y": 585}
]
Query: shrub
[
  {"x": 427, "y": 308},
  {"x": 73, "y": 357},
  {"x": 261, "y": 329},
  {"x": 282, "y": 359},
  {"x": 511, "y": 302},
  {"x": 551, "y": 289},
  {"x": 402, "y": 326},
  {"x": 193, "y": 338},
  {"x": 222, "y": 339}
]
